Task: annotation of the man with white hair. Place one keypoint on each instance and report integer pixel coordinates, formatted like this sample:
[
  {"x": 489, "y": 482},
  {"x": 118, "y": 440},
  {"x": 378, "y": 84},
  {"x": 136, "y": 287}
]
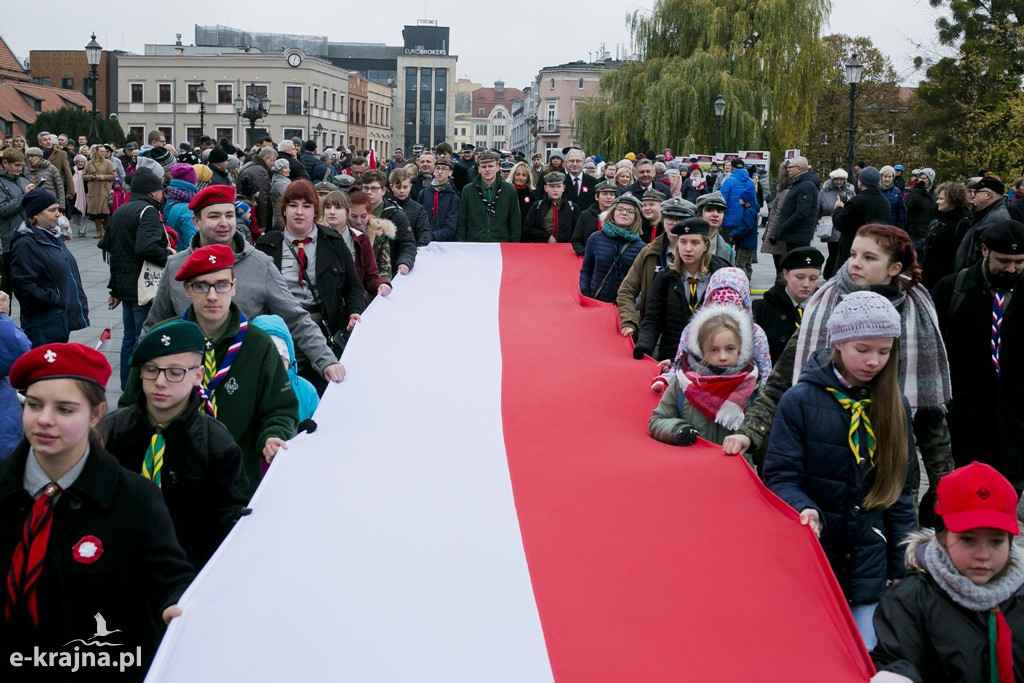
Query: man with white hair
[
  {"x": 259, "y": 170},
  {"x": 59, "y": 159},
  {"x": 287, "y": 150},
  {"x": 579, "y": 186}
]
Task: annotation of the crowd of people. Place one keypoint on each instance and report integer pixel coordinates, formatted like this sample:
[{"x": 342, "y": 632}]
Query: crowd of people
[{"x": 240, "y": 275}]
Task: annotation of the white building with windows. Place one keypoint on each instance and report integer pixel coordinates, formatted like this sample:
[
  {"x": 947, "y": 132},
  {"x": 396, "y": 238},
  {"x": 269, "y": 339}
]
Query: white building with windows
[
  {"x": 491, "y": 116},
  {"x": 161, "y": 90}
]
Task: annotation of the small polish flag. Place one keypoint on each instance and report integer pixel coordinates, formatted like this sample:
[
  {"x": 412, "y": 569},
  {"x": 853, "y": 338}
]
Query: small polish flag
[
  {"x": 371, "y": 158},
  {"x": 104, "y": 342}
]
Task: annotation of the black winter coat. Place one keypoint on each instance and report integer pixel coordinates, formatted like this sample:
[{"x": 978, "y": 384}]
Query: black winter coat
[
  {"x": 777, "y": 316},
  {"x": 985, "y": 418},
  {"x": 309, "y": 161},
  {"x": 946, "y": 233},
  {"x": 48, "y": 286},
  {"x": 337, "y": 282},
  {"x": 199, "y": 476},
  {"x": 534, "y": 230},
  {"x": 586, "y": 226},
  {"x": 527, "y": 198},
  {"x": 638, "y": 190},
  {"x": 867, "y": 206},
  {"x": 418, "y": 219},
  {"x": 798, "y": 214},
  {"x": 403, "y": 247},
  {"x": 925, "y": 636},
  {"x": 809, "y": 464},
  {"x": 136, "y": 234},
  {"x": 667, "y": 313},
  {"x": 142, "y": 570},
  {"x": 921, "y": 205},
  {"x": 442, "y": 225},
  {"x": 586, "y": 197}
]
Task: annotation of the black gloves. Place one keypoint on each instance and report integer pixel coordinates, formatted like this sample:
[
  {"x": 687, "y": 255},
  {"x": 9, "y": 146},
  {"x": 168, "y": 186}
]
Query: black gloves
[{"x": 685, "y": 436}]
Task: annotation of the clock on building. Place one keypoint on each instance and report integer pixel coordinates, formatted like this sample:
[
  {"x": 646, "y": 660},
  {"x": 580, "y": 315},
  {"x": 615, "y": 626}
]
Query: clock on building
[{"x": 294, "y": 59}]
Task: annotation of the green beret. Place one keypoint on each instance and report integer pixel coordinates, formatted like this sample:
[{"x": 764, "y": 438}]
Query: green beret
[
  {"x": 168, "y": 338},
  {"x": 605, "y": 186},
  {"x": 489, "y": 156},
  {"x": 554, "y": 178},
  {"x": 655, "y": 195}
]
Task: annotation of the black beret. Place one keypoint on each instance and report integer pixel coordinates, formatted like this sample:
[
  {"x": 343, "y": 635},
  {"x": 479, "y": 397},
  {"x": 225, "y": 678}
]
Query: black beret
[
  {"x": 803, "y": 257},
  {"x": 1004, "y": 237}
]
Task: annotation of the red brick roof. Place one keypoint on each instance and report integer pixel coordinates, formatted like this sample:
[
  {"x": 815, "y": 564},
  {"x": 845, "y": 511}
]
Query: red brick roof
[
  {"x": 10, "y": 67},
  {"x": 18, "y": 98},
  {"x": 489, "y": 97},
  {"x": 906, "y": 93}
]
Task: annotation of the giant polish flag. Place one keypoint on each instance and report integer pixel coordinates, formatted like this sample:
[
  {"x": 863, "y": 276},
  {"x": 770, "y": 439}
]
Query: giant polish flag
[{"x": 481, "y": 502}]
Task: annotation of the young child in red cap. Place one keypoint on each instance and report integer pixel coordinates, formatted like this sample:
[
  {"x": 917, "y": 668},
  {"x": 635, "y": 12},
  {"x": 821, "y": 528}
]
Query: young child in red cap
[
  {"x": 959, "y": 614},
  {"x": 87, "y": 548}
]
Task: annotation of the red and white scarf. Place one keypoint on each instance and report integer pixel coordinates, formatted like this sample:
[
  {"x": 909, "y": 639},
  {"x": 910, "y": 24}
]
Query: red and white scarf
[{"x": 721, "y": 398}]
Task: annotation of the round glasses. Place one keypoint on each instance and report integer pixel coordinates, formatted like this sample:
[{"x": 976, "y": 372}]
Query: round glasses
[{"x": 172, "y": 374}]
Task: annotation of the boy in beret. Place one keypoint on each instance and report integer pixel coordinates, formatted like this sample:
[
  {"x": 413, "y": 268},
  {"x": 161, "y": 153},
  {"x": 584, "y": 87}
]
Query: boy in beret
[
  {"x": 170, "y": 440},
  {"x": 781, "y": 309},
  {"x": 553, "y": 218},
  {"x": 488, "y": 206},
  {"x": 244, "y": 384},
  {"x": 980, "y": 317},
  {"x": 589, "y": 220}
]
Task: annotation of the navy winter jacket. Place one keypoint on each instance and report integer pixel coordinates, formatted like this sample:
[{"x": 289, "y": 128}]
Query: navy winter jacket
[
  {"x": 444, "y": 219},
  {"x": 13, "y": 343},
  {"x": 601, "y": 254},
  {"x": 745, "y": 235},
  {"x": 47, "y": 285},
  {"x": 733, "y": 186},
  {"x": 809, "y": 464}
]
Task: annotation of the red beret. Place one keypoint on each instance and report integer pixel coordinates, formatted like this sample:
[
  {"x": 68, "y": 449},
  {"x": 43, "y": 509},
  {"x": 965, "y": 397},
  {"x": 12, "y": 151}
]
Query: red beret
[
  {"x": 205, "y": 260},
  {"x": 212, "y": 194},
  {"x": 53, "y": 361}
]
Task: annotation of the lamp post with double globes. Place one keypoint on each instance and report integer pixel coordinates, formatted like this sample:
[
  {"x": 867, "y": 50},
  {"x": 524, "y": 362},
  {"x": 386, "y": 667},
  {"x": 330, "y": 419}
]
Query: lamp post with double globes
[
  {"x": 252, "y": 109},
  {"x": 854, "y": 70},
  {"x": 93, "y": 51}
]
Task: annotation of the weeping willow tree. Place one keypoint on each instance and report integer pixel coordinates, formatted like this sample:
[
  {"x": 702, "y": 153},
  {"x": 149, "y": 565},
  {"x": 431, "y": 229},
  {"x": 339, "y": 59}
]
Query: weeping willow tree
[{"x": 764, "y": 58}]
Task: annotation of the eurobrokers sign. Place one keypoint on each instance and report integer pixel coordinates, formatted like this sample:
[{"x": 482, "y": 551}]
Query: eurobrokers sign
[{"x": 425, "y": 51}]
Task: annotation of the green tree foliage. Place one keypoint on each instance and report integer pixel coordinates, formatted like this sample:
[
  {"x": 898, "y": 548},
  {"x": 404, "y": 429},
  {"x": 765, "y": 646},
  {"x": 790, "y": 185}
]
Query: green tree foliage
[
  {"x": 75, "y": 122},
  {"x": 971, "y": 104},
  {"x": 878, "y": 107},
  {"x": 764, "y": 58}
]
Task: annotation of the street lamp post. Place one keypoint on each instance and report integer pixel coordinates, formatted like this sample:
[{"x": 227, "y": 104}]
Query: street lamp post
[
  {"x": 854, "y": 70},
  {"x": 252, "y": 109},
  {"x": 201, "y": 96},
  {"x": 317, "y": 132},
  {"x": 93, "y": 51},
  {"x": 719, "y": 113}
]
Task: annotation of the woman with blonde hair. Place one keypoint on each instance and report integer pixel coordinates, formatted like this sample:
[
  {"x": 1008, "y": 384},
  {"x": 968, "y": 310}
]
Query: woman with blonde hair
[
  {"x": 99, "y": 174},
  {"x": 521, "y": 178},
  {"x": 624, "y": 176}
]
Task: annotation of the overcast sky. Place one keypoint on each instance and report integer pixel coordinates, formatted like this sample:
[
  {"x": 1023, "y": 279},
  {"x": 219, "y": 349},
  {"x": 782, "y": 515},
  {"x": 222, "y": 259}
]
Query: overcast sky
[{"x": 511, "y": 41}]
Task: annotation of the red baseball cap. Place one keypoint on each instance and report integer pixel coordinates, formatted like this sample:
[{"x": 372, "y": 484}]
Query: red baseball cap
[
  {"x": 205, "y": 260},
  {"x": 212, "y": 194},
  {"x": 57, "y": 361},
  {"x": 974, "y": 496}
]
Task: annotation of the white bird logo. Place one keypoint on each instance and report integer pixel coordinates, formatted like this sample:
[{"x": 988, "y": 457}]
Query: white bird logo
[{"x": 101, "y": 627}]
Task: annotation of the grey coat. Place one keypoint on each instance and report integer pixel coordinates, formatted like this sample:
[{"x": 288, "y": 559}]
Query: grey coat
[
  {"x": 45, "y": 171},
  {"x": 259, "y": 289},
  {"x": 11, "y": 213},
  {"x": 969, "y": 252}
]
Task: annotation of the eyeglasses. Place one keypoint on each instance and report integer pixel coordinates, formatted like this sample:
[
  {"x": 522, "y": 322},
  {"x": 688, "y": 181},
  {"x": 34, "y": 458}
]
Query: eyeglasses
[
  {"x": 373, "y": 188},
  {"x": 625, "y": 209},
  {"x": 151, "y": 372},
  {"x": 221, "y": 287}
]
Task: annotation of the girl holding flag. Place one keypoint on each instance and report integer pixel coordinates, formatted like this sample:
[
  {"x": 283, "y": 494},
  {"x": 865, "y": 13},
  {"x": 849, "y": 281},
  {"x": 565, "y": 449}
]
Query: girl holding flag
[{"x": 842, "y": 452}]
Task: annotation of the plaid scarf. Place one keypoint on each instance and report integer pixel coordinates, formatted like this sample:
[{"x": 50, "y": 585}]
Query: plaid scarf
[
  {"x": 490, "y": 206},
  {"x": 924, "y": 368},
  {"x": 721, "y": 398}
]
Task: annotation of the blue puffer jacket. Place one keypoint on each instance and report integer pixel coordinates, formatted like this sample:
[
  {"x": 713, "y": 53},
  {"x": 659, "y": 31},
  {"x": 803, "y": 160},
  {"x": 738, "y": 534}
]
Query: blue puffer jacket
[
  {"x": 809, "y": 464},
  {"x": 13, "y": 343},
  {"x": 744, "y": 235},
  {"x": 48, "y": 286},
  {"x": 178, "y": 216},
  {"x": 738, "y": 181},
  {"x": 897, "y": 207},
  {"x": 599, "y": 256},
  {"x": 443, "y": 224}
]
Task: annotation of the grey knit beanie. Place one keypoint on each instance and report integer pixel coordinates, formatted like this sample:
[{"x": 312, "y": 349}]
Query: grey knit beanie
[{"x": 863, "y": 315}]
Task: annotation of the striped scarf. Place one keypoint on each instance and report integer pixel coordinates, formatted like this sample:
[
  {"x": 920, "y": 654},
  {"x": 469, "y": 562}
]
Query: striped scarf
[
  {"x": 924, "y": 368},
  {"x": 998, "y": 309},
  {"x": 212, "y": 376}
]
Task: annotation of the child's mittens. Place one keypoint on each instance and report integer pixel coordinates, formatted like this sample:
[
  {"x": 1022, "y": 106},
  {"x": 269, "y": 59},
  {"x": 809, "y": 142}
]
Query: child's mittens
[
  {"x": 659, "y": 385},
  {"x": 685, "y": 436}
]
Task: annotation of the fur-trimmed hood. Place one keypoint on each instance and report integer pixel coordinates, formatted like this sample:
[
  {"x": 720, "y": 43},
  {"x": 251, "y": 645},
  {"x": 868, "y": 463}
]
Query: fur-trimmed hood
[
  {"x": 377, "y": 226},
  {"x": 743, "y": 321}
]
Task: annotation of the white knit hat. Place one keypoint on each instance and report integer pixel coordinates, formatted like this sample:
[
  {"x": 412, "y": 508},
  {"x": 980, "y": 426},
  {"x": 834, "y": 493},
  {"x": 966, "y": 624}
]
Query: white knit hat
[{"x": 863, "y": 315}]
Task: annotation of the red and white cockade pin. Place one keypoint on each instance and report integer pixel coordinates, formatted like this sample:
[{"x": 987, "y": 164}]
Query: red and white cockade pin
[{"x": 87, "y": 550}]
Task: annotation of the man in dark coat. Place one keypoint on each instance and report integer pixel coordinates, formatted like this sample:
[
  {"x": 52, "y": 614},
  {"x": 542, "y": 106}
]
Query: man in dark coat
[
  {"x": 798, "y": 214},
  {"x": 401, "y": 188},
  {"x": 135, "y": 236},
  {"x": 867, "y": 206},
  {"x": 986, "y": 357},
  {"x": 989, "y": 208},
  {"x": 553, "y": 218},
  {"x": 579, "y": 187},
  {"x": 645, "y": 180},
  {"x": 921, "y": 204},
  {"x": 780, "y": 311},
  {"x": 259, "y": 170}
]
